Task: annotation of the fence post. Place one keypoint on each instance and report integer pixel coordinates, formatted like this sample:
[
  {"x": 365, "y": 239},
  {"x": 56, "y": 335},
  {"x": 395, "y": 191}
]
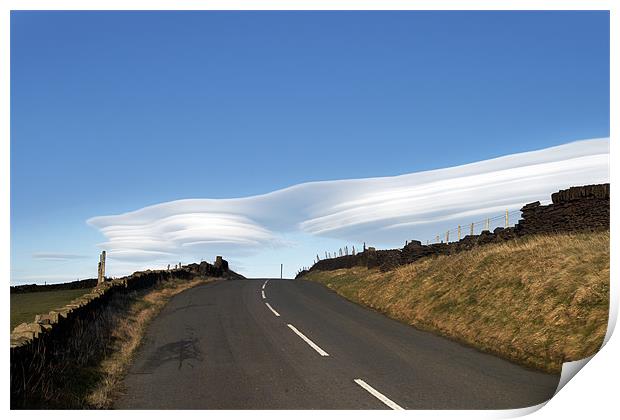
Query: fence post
[
  {"x": 487, "y": 224},
  {"x": 506, "y": 218},
  {"x": 447, "y": 236},
  {"x": 459, "y": 233},
  {"x": 471, "y": 229}
]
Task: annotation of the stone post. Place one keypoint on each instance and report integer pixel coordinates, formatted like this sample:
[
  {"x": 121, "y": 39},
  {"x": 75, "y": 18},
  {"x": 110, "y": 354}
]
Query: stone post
[{"x": 101, "y": 268}]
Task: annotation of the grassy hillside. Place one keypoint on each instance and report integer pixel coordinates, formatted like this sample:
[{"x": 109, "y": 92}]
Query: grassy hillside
[
  {"x": 24, "y": 306},
  {"x": 538, "y": 301}
]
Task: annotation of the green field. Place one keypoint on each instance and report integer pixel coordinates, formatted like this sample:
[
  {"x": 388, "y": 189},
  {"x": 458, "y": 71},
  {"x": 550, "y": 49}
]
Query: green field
[{"x": 24, "y": 306}]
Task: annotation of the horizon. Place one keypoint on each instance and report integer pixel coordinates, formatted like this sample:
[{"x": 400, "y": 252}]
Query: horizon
[
  {"x": 231, "y": 106},
  {"x": 595, "y": 171}
]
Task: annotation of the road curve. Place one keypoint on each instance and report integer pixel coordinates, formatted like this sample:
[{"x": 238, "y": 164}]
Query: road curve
[{"x": 294, "y": 344}]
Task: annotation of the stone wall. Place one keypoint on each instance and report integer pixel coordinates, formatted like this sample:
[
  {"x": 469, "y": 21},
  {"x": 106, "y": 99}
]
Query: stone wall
[
  {"x": 36, "y": 345},
  {"x": 576, "y": 209}
]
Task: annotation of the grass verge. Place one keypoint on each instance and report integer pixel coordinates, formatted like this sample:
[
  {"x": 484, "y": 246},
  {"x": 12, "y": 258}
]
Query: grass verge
[
  {"x": 126, "y": 338},
  {"x": 538, "y": 301}
]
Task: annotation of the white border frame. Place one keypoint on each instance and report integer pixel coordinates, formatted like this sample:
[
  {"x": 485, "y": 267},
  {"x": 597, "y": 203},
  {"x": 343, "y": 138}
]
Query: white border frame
[{"x": 591, "y": 394}]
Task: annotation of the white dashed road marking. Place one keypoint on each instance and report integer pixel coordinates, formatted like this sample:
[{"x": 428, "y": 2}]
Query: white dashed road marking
[
  {"x": 385, "y": 400},
  {"x": 308, "y": 341},
  {"x": 272, "y": 310}
]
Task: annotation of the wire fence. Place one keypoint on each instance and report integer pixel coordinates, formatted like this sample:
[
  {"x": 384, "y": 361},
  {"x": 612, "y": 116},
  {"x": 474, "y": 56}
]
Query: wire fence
[
  {"x": 504, "y": 220},
  {"x": 507, "y": 219}
]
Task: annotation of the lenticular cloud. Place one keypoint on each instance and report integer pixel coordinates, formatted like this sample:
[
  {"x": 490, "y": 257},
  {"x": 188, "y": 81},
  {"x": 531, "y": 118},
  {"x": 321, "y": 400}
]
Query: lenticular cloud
[{"x": 381, "y": 210}]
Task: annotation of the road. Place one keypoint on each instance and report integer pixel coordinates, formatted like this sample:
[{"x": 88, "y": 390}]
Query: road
[{"x": 294, "y": 344}]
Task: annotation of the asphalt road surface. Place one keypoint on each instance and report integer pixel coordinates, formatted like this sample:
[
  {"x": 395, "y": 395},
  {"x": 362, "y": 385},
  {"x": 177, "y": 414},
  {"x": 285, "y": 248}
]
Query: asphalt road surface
[{"x": 294, "y": 344}]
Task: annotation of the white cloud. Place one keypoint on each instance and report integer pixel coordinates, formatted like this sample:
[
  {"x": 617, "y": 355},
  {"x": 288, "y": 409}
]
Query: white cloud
[{"x": 378, "y": 210}]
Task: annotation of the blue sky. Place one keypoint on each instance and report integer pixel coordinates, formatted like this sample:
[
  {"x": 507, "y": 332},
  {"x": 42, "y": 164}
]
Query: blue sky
[{"x": 115, "y": 111}]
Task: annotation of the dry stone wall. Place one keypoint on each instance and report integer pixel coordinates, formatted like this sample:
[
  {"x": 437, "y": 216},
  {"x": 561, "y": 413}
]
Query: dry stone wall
[
  {"x": 577, "y": 209},
  {"x": 36, "y": 345},
  {"x": 574, "y": 209}
]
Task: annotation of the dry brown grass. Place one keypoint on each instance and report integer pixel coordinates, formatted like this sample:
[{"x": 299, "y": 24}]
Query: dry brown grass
[
  {"x": 127, "y": 336},
  {"x": 538, "y": 301}
]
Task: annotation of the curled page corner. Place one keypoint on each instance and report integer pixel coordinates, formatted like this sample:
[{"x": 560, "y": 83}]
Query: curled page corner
[
  {"x": 613, "y": 315},
  {"x": 570, "y": 369},
  {"x": 518, "y": 412}
]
